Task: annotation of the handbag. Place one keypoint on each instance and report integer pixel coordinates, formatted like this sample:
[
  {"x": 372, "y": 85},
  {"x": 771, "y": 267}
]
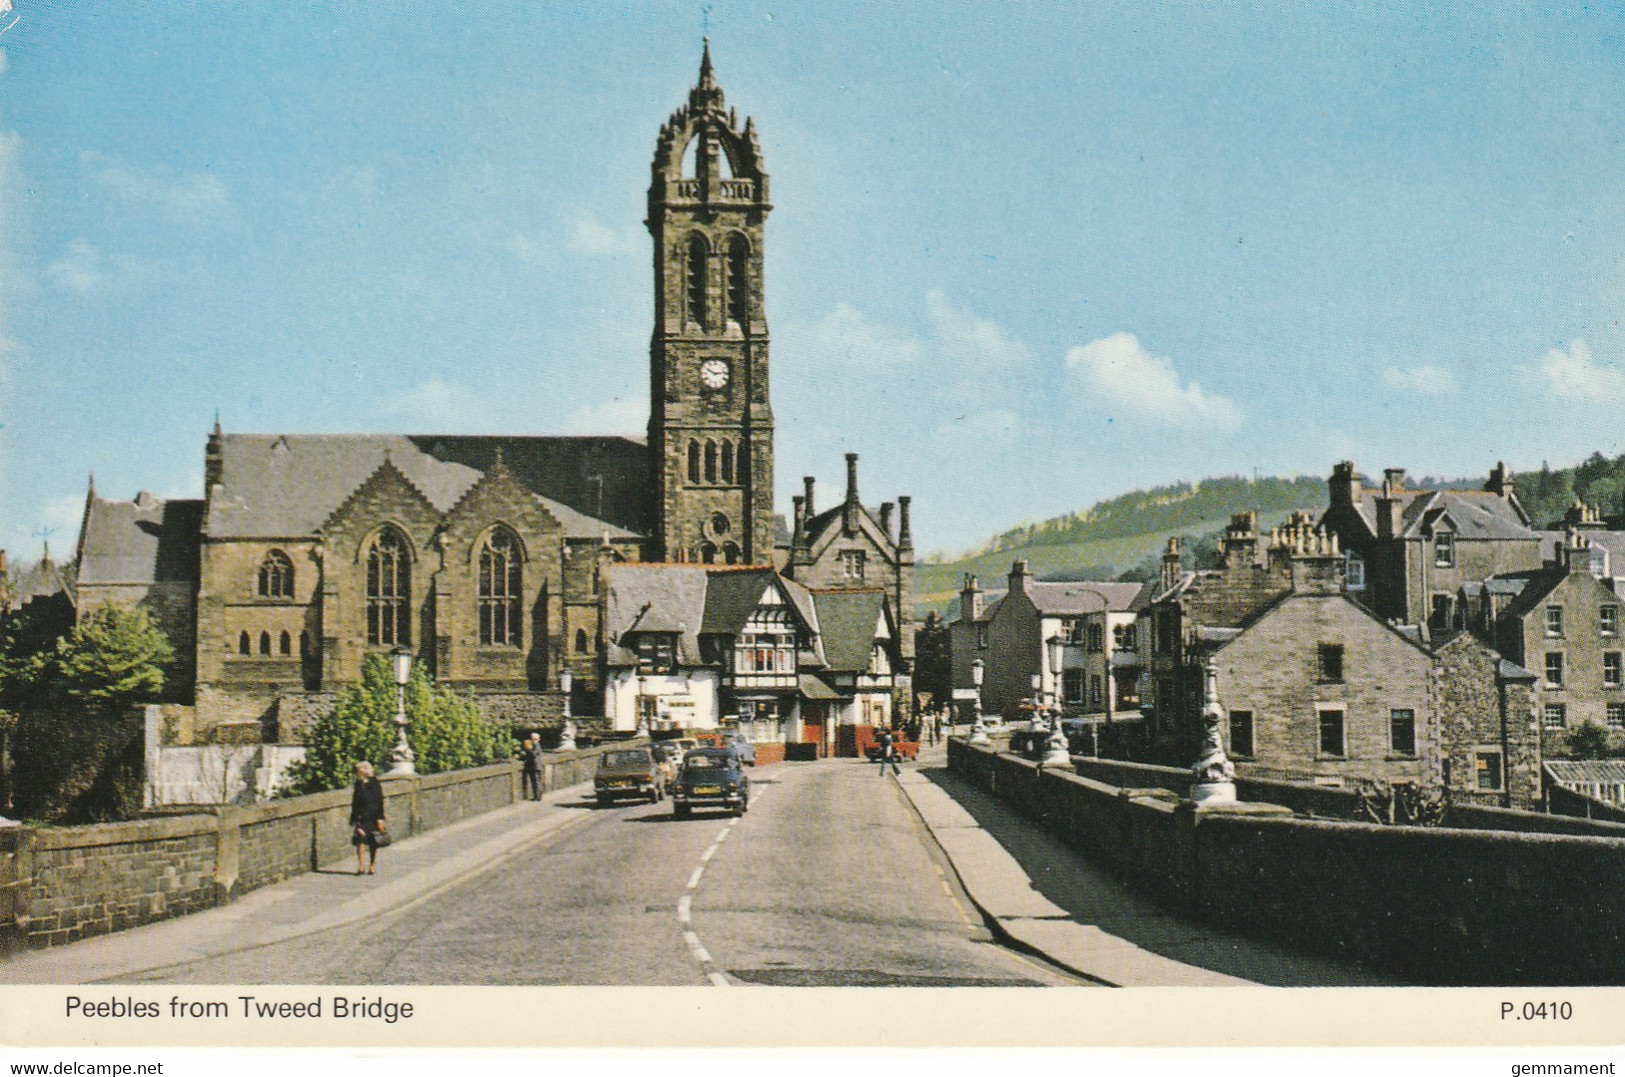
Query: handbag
[{"x": 380, "y": 835}]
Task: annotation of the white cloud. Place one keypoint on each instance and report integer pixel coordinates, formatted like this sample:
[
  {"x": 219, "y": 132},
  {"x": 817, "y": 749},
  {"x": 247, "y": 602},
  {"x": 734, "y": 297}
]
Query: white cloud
[
  {"x": 1575, "y": 375},
  {"x": 441, "y": 406},
  {"x": 1125, "y": 375},
  {"x": 845, "y": 335},
  {"x": 186, "y": 192},
  {"x": 1426, "y": 380},
  {"x": 618, "y": 415},
  {"x": 589, "y": 235},
  {"x": 965, "y": 338},
  {"x": 62, "y": 514},
  {"x": 80, "y": 270}
]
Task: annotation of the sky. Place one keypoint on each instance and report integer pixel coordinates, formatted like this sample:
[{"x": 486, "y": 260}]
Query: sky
[{"x": 1023, "y": 257}]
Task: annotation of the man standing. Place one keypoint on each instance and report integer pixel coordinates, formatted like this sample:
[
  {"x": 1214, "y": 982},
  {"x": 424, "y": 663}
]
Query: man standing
[{"x": 531, "y": 768}]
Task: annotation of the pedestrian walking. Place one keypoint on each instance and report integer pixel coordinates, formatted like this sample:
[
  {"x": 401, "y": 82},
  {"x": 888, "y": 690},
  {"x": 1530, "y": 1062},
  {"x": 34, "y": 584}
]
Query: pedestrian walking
[
  {"x": 366, "y": 818},
  {"x": 530, "y": 766},
  {"x": 888, "y": 752}
]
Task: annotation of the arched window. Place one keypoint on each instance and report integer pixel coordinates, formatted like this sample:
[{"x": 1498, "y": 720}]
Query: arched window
[
  {"x": 710, "y": 461},
  {"x": 708, "y": 553},
  {"x": 727, "y": 460},
  {"x": 501, "y": 588},
  {"x": 730, "y": 553},
  {"x": 740, "y": 470},
  {"x": 276, "y": 576},
  {"x": 265, "y": 643},
  {"x": 285, "y": 644},
  {"x": 738, "y": 281},
  {"x": 243, "y": 645},
  {"x": 389, "y": 589},
  {"x": 581, "y": 641},
  {"x": 693, "y": 461},
  {"x": 696, "y": 281}
]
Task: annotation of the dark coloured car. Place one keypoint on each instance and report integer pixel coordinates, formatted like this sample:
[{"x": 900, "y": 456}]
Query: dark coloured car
[
  {"x": 628, "y": 772},
  {"x": 711, "y": 778}
]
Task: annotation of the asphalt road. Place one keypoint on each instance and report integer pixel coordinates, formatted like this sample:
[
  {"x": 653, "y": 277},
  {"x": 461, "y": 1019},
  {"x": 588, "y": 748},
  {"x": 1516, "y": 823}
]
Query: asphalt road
[{"x": 829, "y": 880}]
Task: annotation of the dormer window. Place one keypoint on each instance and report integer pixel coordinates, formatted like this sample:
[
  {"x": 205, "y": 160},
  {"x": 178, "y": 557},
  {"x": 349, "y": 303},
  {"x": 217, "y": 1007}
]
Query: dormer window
[
  {"x": 1444, "y": 549},
  {"x": 656, "y": 651}
]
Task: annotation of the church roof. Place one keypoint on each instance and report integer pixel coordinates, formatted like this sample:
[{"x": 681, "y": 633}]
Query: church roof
[
  {"x": 287, "y": 485},
  {"x": 142, "y": 541},
  {"x": 44, "y": 579}
]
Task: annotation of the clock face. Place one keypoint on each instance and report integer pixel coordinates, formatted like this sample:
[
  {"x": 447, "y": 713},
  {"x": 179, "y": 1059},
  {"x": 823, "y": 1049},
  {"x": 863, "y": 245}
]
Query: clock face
[{"x": 714, "y": 373}]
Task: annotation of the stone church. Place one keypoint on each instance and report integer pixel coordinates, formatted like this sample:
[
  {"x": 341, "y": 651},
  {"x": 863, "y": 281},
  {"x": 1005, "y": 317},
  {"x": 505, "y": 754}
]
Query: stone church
[{"x": 485, "y": 554}]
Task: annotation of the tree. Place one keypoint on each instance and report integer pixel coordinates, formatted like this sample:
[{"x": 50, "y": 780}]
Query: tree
[
  {"x": 1588, "y": 741},
  {"x": 445, "y": 730},
  {"x": 113, "y": 659}
]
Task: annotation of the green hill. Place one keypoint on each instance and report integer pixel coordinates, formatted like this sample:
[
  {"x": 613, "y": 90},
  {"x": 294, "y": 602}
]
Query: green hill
[{"x": 1117, "y": 535}]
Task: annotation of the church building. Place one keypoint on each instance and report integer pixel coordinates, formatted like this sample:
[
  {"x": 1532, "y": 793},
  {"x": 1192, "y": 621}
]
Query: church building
[{"x": 487, "y": 555}]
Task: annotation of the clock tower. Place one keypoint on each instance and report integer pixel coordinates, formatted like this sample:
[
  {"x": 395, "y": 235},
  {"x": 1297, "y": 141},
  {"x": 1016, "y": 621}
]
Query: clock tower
[{"x": 710, "y": 421}]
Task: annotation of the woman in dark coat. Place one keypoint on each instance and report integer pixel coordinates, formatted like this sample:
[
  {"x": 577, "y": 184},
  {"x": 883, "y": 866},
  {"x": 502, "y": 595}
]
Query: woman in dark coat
[{"x": 366, "y": 817}]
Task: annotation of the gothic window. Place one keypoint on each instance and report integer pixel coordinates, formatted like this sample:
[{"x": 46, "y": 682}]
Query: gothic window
[
  {"x": 389, "y": 589},
  {"x": 710, "y": 461},
  {"x": 501, "y": 588},
  {"x": 740, "y": 469},
  {"x": 727, "y": 461},
  {"x": 719, "y": 524},
  {"x": 738, "y": 281},
  {"x": 285, "y": 643},
  {"x": 243, "y": 645},
  {"x": 581, "y": 641},
  {"x": 730, "y": 553},
  {"x": 276, "y": 576},
  {"x": 693, "y": 461},
  {"x": 696, "y": 281},
  {"x": 708, "y": 553},
  {"x": 265, "y": 643}
]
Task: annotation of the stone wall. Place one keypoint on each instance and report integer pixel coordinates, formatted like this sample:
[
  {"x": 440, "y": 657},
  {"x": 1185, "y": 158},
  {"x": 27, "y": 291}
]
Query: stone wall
[
  {"x": 59, "y": 884},
  {"x": 1442, "y": 906}
]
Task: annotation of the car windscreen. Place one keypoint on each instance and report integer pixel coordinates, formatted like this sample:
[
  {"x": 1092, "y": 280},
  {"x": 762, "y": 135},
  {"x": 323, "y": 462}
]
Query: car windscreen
[
  {"x": 622, "y": 759},
  {"x": 705, "y": 764}
]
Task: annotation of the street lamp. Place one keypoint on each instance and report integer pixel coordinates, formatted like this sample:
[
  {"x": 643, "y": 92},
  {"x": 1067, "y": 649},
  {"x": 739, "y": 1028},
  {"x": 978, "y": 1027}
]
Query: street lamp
[
  {"x": 1059, "y": 754},
  {"x": 567, "y": 737},
  {"x": 643, "y": 717},
  {"x": 978, "y": 732},
  {"x": 401, "y": 759}
]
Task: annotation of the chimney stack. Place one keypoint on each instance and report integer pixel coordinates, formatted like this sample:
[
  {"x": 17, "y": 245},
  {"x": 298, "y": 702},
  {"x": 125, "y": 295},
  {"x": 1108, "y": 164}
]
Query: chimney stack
[
  {"x": 1500, "y": 482},
  {"x": 808, "y": 481},
  {"x": 970, "y": 599},
  {"x": 1018, "y": 576},
  {"x": 885, "y": 520},
  {"x": 905, "y": 540},
  {"x": 1170, "y": 565},
  {"x": 799, "y": 517},
  {"x": 1343, "y": 488},
  {"x": 849, "y": 519}
]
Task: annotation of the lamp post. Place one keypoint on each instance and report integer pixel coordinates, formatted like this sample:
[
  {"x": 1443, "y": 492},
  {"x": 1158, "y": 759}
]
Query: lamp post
[
  {"x": 401, "y": 759},
  {"x": 642, "y": 729},
  {"x": 1215, "y": 776},
  {"x": 978, "y": 732},
  {"x": 1059, "y": 753},
  {"x": 567, "y": 738}
]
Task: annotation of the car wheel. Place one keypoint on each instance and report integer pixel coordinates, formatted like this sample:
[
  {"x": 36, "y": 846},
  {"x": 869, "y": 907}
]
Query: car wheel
[{"x": 605, "y": 801}]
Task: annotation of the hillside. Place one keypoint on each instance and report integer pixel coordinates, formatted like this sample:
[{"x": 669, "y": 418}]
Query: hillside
[
  {"x": 1127, "y": 533},
  {"x": 1119, "y": 534}
]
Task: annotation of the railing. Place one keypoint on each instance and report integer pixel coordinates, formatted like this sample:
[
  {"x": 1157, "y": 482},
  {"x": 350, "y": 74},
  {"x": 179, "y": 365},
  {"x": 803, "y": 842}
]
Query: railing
[
  {"x": 732, "y": 189},
  {"x": 738, "y": 188}
]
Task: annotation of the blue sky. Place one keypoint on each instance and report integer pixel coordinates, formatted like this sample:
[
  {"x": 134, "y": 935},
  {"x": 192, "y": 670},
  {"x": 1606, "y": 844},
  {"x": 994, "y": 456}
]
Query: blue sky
[{"x": 1023, "y": 257}]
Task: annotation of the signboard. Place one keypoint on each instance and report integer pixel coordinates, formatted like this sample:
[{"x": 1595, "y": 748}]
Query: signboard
[{"x": 965, "y": 693}]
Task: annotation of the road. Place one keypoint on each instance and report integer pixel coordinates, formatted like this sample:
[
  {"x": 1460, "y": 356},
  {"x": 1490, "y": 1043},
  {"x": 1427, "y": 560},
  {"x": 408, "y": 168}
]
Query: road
[{"x": 829, "y": 880}]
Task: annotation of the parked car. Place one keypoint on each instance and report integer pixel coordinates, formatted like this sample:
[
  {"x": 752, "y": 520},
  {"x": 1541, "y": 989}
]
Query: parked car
[
  {"x": 628, "y": 772},
  {"x": 741, "y": 747},
  {"x": 711, "y": 778}
]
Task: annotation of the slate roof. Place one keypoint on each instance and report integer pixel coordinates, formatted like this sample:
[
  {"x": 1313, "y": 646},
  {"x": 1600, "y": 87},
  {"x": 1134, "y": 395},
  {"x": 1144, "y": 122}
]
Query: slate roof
[
  {"x": 1612, "y": 541},
  {"x": 143, "y": 541},
  {"x": 1577, "y": 771},
  {"x": 286, "y": 485},
  {"x": 1476, "y": 514},
  {"x": 44, "y": 579},
  {"x": 692, "y": 600},
  {"x": 1065, "y": 598},
  {"x": 846, "y": 626}
]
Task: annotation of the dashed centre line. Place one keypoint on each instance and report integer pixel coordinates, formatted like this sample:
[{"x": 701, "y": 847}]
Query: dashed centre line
[{"x": 685, "y": 909}]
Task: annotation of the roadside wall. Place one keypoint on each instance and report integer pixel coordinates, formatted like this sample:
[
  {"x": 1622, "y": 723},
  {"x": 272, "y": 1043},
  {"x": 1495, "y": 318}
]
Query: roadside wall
[
  {"x": 59, "y": 884},
  {"x": 1447, "y": 906}
]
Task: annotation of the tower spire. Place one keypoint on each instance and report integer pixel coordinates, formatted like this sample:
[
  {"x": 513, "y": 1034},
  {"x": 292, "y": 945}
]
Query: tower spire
[{"x": 707, "y": 76}]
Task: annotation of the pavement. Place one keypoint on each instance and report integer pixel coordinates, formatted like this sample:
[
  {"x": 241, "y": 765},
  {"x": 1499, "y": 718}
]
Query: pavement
[
  {"x": 410, "y": 871},
  {"x": 1034, "y": 894}
]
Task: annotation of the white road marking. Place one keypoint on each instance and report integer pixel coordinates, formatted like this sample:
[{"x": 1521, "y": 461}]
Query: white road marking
[
  {"x": 722, "y": 837},
  {"x": 718, "y": 979},
  {"x": 694, "y": 879},
  {"x": 705, "y": 857},
  {"x": 684, "y": 908}
]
